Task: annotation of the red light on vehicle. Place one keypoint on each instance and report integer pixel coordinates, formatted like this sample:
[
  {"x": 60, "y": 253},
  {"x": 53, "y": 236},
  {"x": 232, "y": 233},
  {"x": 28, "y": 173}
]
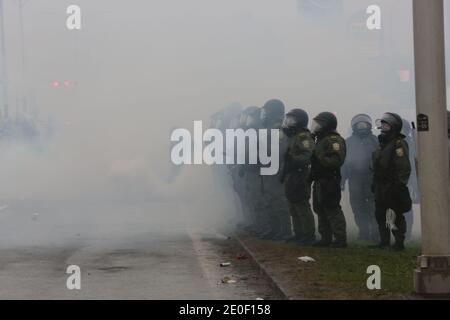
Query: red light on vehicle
[
  {"x": 55, "y": 84},
  {"x": 66, "y": 83}
]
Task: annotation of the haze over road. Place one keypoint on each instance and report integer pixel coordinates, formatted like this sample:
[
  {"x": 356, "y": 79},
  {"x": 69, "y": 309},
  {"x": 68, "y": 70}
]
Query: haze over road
[{"x": 122, "y": 260}]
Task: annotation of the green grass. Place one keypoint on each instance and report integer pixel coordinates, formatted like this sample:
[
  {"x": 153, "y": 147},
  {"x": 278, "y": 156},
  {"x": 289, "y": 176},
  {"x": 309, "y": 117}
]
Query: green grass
[
  {"x": 342, "y": 273},
  {"x": 338, "y": 273}
]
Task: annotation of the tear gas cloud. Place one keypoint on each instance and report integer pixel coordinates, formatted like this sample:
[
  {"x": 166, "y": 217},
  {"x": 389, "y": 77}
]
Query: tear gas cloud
[{"x": 138, "y": 69}]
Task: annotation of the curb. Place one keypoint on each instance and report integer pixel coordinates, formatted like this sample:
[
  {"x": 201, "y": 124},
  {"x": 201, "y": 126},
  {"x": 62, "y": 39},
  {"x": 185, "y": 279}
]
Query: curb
[{"x": 263, "y": 271}]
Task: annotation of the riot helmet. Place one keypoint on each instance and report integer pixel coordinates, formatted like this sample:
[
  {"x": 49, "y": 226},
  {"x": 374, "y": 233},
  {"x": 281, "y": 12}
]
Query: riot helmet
[
  {"x": 295, "y": 120},
  {"x": 361, "y": 124},
  {"x": 324, "y": 122},
  {"x": 390, "y": 123},
  {"x": 273, "y": 110}
]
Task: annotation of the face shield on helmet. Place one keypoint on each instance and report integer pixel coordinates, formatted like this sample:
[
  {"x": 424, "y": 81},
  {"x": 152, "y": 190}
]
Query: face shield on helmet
[
  {"x": 363, "y": 126},
  {"x": 383, "y": 126},
  {"x": 361, "y": 123},
  {"x": 234, "y": 124},
  {"x": 219, "y": 123},
  {"x": 289, "y": 122},
  {"x": 316, "y": 127},
  {"x": 389, "y": 122},
  {"x": 243, "y": 119},
  {"x": 361, "y": 118},
  {"x": 251, "y": 122},
  {"x": 263, "y": 115}
]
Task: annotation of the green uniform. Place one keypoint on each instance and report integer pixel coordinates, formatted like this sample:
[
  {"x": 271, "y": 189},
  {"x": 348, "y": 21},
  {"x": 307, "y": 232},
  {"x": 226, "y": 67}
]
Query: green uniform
[
  {"x": 297, "y": 187},
  {"x": 254, "y": 199},
  {"x": 274, "y": 202},
  {"x": 239, "y": 186},
  {"x": 328, "y": 158},
  {"x": 392, "y": 168}
]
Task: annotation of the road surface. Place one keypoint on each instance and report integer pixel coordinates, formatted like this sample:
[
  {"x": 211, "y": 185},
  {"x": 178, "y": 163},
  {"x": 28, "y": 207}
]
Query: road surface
[{"x": 123, "y": 253}]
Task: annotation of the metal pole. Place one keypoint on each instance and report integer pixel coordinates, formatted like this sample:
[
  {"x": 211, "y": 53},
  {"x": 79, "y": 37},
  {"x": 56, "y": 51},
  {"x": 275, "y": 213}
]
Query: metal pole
[
  {"x": 3, "y": 81},
  {"x": 432, "y": 275},
  {"x": 22, "y": 43}
]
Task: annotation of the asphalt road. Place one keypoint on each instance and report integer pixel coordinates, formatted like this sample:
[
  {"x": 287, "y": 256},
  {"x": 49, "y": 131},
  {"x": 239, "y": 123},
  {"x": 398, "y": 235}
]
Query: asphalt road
[{"x": 125, "y": 254}]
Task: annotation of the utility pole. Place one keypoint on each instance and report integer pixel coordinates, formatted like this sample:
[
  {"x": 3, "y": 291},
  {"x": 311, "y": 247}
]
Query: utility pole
[
  {"x": 22, "y": 44},
  {"x": 3, "y": 85},
  {"x": 432, "y": 276}
]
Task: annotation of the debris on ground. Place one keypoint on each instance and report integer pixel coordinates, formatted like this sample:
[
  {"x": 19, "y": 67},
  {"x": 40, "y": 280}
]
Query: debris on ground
[
  {"x": 241, "y": 256},
  {"x": 225, "y": 264},
  {"x": 306, "y": 259},
  {"x": 228, "y": 280}
]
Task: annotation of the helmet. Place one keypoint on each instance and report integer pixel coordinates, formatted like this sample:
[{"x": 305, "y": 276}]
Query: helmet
[
  {"x": 361, "y": 123},
  {"x": 390, "y": 122},
  {"x": 216, "y": 120},
  {"x": 253, "y": 118},
  {"x": 294, "y": 120},
  {"x": 230, "y": 113},
  {"x": 272, "y": 110},
  {"x": 249, "y": 117},
  {"x": 300, "y": 117},
  {"x": 232, "y": 109},
  {"x": 324, "y": 122}
]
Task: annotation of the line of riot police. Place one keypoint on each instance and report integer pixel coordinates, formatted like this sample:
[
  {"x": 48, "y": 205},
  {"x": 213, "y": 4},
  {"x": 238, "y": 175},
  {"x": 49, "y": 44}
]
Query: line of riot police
[{"x": 316, "y": 162}]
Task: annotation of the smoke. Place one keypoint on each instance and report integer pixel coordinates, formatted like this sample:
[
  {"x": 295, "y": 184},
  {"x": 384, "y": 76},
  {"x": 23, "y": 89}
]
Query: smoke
[{"x": 138, "y": 69}]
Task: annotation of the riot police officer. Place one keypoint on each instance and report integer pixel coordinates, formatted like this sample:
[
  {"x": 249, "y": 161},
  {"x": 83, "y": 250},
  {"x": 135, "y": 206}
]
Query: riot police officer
[
  {"x": 295, "y": 175},
  {"x": 275, "y": 204},
  {"x": 360, "y": 146},
  {"x": 327, "y": 160},
  {"x": 253, "y": 182},
  {"x": 249, "y": 119},
  {"x": 391, "y": 171},
  {"x": 238, "y": 180},
  {"x": 412, "y": 183}
]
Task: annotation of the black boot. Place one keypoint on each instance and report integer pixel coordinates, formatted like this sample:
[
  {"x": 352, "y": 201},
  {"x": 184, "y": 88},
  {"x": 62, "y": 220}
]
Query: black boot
[
  {"x": 385, "y": 238},
  {"x": 339, "y": 244},
  {"x": 322, "y": 243},
  {"x": 398, "y": 246},
  {"x": 381, "y": 245}
]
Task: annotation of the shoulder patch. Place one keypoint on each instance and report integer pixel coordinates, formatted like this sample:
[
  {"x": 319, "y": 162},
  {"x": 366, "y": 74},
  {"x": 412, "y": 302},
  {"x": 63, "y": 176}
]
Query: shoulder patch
[
  {"x": 399, "y": 152},
  {"x": 306, "y": 144},
  {"x": 334, "y": 137},
  {"x": 336, "y": 146}
]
